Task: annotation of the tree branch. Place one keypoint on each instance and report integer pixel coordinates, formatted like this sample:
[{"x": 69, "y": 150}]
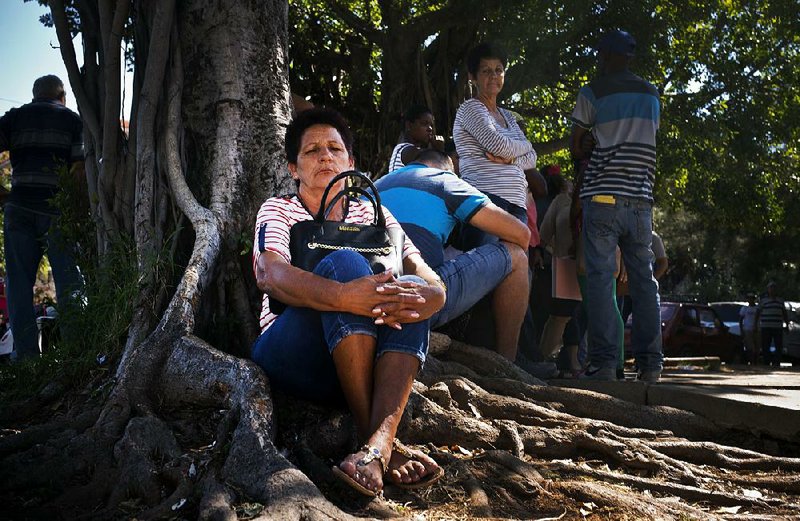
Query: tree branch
[
  {"x": 357, "y": 23},
  {"x": 88, "y": 113},
  {"x": 159, "y": 47},
  {"x": 205, "y": 224},
  {"x": 454, "y": 14},
  {"x": 111, "y": 105}
]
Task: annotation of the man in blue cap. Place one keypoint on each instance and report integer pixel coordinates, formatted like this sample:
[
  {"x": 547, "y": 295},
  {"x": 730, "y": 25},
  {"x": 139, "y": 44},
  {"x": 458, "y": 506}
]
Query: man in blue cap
[{"x": 619, "y": 114}]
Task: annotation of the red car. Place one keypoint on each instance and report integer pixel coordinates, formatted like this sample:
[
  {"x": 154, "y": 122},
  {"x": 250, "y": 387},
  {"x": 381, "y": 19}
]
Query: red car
[{"x": 692, "y": 329}]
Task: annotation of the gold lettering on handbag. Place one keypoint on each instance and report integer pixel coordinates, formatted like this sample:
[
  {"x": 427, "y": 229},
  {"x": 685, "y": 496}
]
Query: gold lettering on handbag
[{"x": 348, "y": 228}]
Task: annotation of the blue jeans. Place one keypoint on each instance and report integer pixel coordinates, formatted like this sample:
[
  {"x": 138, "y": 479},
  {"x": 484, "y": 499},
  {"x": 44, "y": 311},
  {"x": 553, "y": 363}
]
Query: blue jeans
[
  {"x": 627, "y": 223},
  {"x": 471, "y": 237},
  {"x": 295, "y": 351},
  {"x": 28, "y": 236},
  {"x": 470, "y": 277}
]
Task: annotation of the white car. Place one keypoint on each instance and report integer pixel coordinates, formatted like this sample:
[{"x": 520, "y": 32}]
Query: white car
[
  {"x": 729, "y": 313},
  {"x": 791, "y": 335}
]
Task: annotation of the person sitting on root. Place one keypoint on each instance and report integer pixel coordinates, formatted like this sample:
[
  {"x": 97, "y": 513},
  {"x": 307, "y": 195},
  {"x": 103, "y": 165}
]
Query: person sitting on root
[
  {"x": 429, "y": 200},
  {"x": 418, "y": 135},
  {"x": 347, "y": 336}
]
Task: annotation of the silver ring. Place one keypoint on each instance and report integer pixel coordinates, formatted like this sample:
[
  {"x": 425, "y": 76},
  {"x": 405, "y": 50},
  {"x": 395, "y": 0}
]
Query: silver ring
[{"x": 383, "y": 313}]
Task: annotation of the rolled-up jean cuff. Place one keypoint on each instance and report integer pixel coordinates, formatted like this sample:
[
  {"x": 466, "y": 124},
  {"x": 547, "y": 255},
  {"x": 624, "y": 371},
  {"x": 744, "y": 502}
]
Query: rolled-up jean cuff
[
  {"x": 398, "y": 348},
  {"x": 347, "y": 330}
]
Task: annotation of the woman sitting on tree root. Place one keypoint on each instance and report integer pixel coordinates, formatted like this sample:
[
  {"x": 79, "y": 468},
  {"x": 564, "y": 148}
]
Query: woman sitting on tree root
[{"x": 347, "y": 335}]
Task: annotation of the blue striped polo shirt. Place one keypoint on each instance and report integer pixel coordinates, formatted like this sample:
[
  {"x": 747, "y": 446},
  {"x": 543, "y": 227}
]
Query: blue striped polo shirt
[
  {"x": 772, "y": 309},
  {"x": 428, "y": 202},
  {"x": 622, "y": 111}
]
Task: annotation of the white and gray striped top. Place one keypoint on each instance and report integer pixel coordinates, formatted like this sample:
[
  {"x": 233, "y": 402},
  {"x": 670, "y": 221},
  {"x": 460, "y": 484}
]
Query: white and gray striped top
[{"x": 475, "y": 132}]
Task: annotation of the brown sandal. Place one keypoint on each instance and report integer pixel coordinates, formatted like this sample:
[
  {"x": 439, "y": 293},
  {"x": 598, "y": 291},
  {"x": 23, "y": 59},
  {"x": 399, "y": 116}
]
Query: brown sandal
[
  {"x": 370, "y": 454},
  {"x": 425, "y": 481}
]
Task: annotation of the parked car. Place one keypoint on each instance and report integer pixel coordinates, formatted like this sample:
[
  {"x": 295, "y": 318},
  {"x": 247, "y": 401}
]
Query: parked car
[
  {"x": 791, "y": 335},
  {"x": 729, "y": 313},
  {"x": 693, "y": 329}
]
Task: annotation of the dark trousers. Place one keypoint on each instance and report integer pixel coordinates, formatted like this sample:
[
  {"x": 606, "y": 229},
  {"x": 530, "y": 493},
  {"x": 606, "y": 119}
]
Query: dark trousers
[{"x": 769, "y": 335}]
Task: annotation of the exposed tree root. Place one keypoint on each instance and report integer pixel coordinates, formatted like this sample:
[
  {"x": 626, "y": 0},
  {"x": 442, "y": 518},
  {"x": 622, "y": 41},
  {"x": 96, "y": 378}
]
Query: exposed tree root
[
  {"x": 686, "y": 492},
  {"x": 204, "y": 446},
  {"x": 708, "y": 453}
]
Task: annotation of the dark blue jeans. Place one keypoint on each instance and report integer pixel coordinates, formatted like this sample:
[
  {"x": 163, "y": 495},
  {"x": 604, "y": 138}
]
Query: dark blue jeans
[
  {"x": 768, "y": 336},
  {"x": 296, "y": 350},
  {"x": 626, "y": 222},
  {"x": 28, "y": 236}
]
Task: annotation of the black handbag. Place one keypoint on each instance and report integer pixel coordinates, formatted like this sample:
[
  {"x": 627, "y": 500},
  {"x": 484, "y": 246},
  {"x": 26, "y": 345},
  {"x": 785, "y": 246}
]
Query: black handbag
[{"x": 311, "y": 241}]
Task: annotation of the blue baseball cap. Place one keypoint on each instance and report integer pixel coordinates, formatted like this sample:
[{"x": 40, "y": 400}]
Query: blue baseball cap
[{"x": 618, "y": 42}]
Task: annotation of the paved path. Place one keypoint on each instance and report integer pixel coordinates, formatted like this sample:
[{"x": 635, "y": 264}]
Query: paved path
[{"x": 757, "y": 399}]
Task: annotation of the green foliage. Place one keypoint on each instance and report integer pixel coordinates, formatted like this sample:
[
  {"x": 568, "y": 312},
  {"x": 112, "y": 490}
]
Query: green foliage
[
  {"x": 727, "y": 69},
  {"x": 92, "y": 328}
]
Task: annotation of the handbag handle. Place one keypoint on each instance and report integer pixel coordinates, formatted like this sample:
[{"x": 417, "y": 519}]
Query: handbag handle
[
  {"x": 352, "y": 191},
  {"x": 376, "y": 201}
]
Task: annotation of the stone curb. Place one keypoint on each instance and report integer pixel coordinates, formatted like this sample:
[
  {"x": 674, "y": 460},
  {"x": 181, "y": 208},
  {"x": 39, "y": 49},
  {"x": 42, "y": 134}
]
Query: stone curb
[{"x": 777, "y": 422}]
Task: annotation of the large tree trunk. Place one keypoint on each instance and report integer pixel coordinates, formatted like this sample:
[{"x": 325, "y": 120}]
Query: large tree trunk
[{"x": 211, "y": 114}]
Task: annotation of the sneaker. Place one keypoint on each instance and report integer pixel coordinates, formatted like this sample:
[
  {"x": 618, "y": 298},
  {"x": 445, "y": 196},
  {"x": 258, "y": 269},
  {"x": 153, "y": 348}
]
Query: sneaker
[
  {"x": 605, "y": 374},
  {"x": 650, "y": 377}
]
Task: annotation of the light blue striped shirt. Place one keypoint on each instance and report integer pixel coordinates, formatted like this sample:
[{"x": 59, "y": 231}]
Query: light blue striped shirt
[{"x": 622, "y": 111}]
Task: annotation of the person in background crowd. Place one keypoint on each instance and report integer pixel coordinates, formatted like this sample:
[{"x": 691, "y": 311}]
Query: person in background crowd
[
  {"x": 418, "y": 135},
  {"x": 621, "y": 111},
  {"x": 43, "y": 137},
  {"x": 748, "y": 325},
  {"x": 428, "y": 200},
  {"x": 561, "y": 329},
  {"x": 492, "y": 149},
  {"x": 771, "y": 317},
  {"x": 450, "y": 150},
  {"x": 659, "y": 269},
  {"x": 347, "y": 336},
  {"x": 540, "y": 261},
  {"x": 661, "y": 263}
]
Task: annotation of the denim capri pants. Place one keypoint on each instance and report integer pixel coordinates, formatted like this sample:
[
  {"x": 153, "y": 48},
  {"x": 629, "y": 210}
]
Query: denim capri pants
[{"x": 296, "y": 350}]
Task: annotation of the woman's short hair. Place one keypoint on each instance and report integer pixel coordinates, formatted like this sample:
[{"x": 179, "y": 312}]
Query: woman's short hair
[
  {"x": 414, "y": 112},
  {"x": 485, "y": 51},
  {"x": 309, "y": 118},
  {"x": 48, "y": 87}
]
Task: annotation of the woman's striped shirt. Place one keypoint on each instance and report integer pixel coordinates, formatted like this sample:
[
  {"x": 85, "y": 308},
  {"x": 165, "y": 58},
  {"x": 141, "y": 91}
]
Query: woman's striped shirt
[
  {"x": 475, "y": 132},
  {"x": 277, "y": 216}
]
